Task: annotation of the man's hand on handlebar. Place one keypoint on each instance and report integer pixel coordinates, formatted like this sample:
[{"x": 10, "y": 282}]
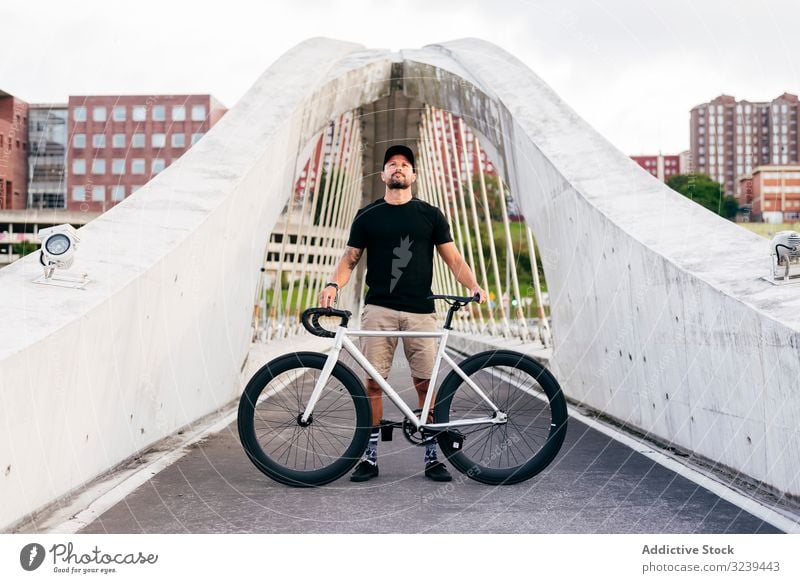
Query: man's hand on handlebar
[
  {"x": 478, "y": 291},
  {"x": 327, "y": 297}
]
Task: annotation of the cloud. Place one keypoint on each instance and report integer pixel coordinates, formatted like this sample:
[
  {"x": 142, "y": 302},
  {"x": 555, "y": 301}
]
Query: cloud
[{"x": 633, "y": 69}]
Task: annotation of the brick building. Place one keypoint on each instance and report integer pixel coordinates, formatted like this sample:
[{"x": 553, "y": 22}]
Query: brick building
[
  {"x": 117, "y": 143},
  {"x": 13, "y": 152},
  {"x": 660, "y": 166},
  {"x": 730, "y": 138},
  {"x": 745, "y": 194},
  {"x": 443, "y": 132},
  {"x": 775, "y": 193}
]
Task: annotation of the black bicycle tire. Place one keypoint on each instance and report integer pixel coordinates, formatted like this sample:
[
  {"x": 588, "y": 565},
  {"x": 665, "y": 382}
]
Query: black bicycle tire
[
  {"x": 275, "y": 470},
  {"x": 558, "y": 411}
]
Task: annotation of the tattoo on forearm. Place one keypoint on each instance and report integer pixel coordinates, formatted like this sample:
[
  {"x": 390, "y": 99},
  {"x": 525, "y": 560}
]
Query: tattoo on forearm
[{"x": 352, "y": 256}]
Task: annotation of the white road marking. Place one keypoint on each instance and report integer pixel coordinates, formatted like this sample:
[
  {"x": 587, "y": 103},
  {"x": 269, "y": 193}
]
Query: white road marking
[
  {"x": 754, "y": 507},
  {"x": 766, "y": 513},
  {"x": 100, "y": 497}
]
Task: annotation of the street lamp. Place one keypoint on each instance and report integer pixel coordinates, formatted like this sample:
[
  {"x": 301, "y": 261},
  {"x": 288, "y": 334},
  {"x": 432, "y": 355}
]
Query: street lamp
[
  {"x": 785, "y": 256},
  {"x": 58, "y": 248},
  {"x": 59, "y": 244}
]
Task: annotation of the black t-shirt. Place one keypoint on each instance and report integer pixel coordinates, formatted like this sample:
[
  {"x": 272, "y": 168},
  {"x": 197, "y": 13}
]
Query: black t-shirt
[{"x": 399, "y": 240}]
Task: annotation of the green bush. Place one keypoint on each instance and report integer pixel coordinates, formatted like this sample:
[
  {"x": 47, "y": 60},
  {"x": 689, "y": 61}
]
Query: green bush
[
  {"x": 704, "y": 191},
  {"x": 24, "y": 248}
]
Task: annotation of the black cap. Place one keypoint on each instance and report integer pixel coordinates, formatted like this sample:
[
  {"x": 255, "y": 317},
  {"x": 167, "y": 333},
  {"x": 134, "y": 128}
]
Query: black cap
[{"x": 403, "y": 151}]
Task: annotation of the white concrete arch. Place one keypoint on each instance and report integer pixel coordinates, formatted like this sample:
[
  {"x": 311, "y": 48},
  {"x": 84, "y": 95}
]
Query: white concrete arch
[{"x": 88, "y": 378}]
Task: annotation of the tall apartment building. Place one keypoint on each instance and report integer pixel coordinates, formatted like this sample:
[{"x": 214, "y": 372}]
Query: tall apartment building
[
  {"x": 47, "y": 155},
  {"x": 730, "y": 138},
  {"x": 13, "y": 152},
  {"x": 118, "y": 143},
  {"x": 660, "y": 166}
]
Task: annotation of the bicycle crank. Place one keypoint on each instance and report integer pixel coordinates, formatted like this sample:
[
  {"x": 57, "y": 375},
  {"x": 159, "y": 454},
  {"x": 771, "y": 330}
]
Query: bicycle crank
[{"x": 415, "y": 435}]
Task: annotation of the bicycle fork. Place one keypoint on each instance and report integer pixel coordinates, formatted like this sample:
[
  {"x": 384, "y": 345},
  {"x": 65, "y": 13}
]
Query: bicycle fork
[{"x": 327, "y": 369}]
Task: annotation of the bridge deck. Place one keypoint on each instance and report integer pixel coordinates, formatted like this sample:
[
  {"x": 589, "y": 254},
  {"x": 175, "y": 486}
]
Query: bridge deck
[{"x": 596, "y": 485}]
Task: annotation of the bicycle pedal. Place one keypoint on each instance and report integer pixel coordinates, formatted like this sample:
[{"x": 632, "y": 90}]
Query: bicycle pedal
[
  {"x": 456, "y": 439},
  {"x": 386, "y": 430}
]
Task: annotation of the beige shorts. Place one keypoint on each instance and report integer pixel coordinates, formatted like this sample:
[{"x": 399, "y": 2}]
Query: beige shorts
[{"x": 379, "y": 350}]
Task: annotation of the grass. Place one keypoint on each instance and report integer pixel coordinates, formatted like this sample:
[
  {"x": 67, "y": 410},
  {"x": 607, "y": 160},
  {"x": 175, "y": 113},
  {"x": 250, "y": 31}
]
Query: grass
[
  {"x": 521, "y": 258},
  {"x": 768, "y": 230}
]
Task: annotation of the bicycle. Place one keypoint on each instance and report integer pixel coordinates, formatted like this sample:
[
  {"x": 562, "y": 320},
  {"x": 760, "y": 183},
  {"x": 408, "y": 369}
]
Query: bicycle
[{"x": 304, "y": 419}]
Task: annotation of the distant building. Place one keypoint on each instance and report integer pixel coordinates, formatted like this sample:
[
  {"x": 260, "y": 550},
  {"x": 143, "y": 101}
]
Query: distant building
[
  {"x": 776, "y": 193},
  {"x": 118, "y": 143},
  {"x": 13, "y": 152},
  {"x": 21, "y": 226},
  {"x": 730, "y": 138},
  {"x": 745, "y": 193},
  {"x": 47, "y": 155},
  {"x": 660, "y": 166},
  {"x": 686, "y": 162},
  {"x": 444, "y": 132}
]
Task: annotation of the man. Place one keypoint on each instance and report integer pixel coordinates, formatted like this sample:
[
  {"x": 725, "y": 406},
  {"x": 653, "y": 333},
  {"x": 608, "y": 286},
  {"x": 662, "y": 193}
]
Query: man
[{"x": 399, "y": 233}]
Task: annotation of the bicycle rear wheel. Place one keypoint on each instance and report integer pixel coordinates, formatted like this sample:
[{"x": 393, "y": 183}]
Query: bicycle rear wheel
[
  {"x": 523, "y": 389},
  {"x": 303, "y": 454}
]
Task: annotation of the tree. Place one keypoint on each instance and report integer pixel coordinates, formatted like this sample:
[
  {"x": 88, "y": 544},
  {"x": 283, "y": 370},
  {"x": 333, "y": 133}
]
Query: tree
[
  {"x": 24, "y": 248},
  {"x": 704, "y": 191}
]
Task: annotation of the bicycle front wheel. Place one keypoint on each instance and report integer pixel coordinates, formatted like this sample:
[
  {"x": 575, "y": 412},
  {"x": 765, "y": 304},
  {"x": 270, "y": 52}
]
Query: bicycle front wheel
[
  {"x": 530, "y": 397},
  {"x": 303, "y": 454}
]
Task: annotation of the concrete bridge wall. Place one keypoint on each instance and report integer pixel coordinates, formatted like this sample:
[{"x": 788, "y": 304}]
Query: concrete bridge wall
[{"x": 659, "y": 317}]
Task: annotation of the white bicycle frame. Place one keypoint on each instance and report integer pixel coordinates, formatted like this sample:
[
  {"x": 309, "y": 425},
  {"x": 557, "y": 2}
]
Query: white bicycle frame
[{"x": 342, "y": 340}]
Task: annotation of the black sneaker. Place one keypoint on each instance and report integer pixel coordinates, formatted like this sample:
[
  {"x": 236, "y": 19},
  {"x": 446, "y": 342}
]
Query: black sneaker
[
  {"x": 364, "y": 471},
  {"x": 437, "y": 472}
]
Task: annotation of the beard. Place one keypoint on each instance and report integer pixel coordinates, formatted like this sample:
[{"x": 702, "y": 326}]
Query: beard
[{"x": 398, "y": 182}]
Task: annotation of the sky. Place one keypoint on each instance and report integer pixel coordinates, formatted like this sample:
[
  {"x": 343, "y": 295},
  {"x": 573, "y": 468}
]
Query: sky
[{"x": 632, "y": 68}]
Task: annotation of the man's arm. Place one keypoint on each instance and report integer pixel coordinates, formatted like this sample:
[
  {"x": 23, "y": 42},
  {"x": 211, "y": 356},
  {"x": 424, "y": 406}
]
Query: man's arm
[
  {"x": 341, "y": 275},
  {"x": 454, "y": 260}
]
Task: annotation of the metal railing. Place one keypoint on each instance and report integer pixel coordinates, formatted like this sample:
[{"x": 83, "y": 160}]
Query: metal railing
[{"x": 455, "y": 175}]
